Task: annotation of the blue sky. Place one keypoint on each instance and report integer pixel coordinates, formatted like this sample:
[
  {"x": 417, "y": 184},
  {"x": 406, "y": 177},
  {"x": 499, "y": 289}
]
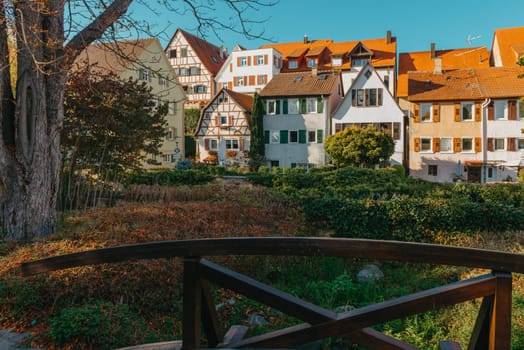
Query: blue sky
[{"x": 415, "y": 23}]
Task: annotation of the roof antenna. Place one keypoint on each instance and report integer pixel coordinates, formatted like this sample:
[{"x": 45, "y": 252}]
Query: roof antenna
[{"x": 470, "y": 38}]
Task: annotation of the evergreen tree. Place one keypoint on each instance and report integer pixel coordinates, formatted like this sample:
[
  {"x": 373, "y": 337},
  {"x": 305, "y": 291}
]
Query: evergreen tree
[{"x": 257, "y": 147}]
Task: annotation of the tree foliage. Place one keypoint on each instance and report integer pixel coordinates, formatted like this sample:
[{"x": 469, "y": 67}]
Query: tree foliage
[
  {"x": 361, "y": 147},
  {"x": 256, "y": 145},
  {"x": 191, "y": 117},
  {"x": 109, "y": 123}
]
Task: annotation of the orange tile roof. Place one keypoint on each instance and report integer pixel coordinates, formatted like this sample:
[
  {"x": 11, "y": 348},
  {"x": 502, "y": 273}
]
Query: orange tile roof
[
  {"x": 315, "y": 51},
  {"x": 470, "y": 57},
  {"x": 300, "y": 84},
  {"x": 510, "y": 42},
  {"x": 465, "y": 84},
  {"x": 115, "y": 56},
  {"x": 245, "y": 101},
  {"x": 208, "y": 53},
  {"x": 384, "y": 53}
]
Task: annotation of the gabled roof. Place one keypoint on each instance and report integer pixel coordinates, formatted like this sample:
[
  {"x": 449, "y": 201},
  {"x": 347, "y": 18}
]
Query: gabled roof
[
  {"x": 300, "y": 84},
  {"x": 117, "y": 56},
  {"x": 315, "y": 51},
  {"x": 209, "y": 54},
  {"x": 510, "y": 41},
  {"x": 384, "y": 52},
  {"x": 470, "y": 57},
  {"x": 464, "y": 84}
]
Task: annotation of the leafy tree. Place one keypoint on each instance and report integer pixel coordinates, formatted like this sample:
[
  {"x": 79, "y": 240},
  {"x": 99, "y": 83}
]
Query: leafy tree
[
  {"x": 256, "y": 145},
  {"x": 32, "y": 116},
  {"x": 109, "y": 123},
  {"x": 360, "y": 147},
  {"x": 191, "y": 117}
]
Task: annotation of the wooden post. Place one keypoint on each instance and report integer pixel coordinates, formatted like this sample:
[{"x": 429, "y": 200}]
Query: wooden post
[
  {"x": 192, "y": 304},
  {"x": 500, "y": 330}
]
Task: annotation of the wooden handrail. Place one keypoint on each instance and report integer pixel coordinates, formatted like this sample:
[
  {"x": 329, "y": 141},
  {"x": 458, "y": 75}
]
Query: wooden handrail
[
  {"x": 492, "y": 330},
  {"x": 284, "y": 246}
]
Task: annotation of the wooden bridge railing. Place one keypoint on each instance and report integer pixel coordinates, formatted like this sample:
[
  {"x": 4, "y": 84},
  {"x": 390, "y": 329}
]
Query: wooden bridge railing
[{"x": 492, "y": 329}]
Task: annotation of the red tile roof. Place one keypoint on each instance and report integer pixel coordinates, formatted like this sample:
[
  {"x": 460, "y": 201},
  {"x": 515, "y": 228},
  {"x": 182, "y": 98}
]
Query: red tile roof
[
  {"x": 300, "y": 84},
  {"x": 245, "y": 101},
  {"x": 384, "y": 52},
  {"x": 471, "y": 57},
  {"x": 465, "y": 84},
  {"x": 511, "y": 44},
  {"x": 209, "y": 54}
]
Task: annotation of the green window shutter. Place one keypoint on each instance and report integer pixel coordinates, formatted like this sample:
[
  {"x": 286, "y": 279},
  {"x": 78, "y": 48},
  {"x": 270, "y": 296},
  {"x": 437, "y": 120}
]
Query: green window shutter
[
  {"x": 284, "y": 136},
  {"x": 278, "y": 107},
  {"x": 266, "y": 136},
  {"x": 320, "y": 105},
  {"x": 302, "y": 136},
  {"x": 284, "y": 106},
  {"x": 302, "y": 106},
  {"x": 141, "y": 73},
  {"x": 320, "y": 136}
]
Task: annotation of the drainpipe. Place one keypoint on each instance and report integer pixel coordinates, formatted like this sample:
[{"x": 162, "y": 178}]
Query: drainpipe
[{"x": 484, "y": 126}]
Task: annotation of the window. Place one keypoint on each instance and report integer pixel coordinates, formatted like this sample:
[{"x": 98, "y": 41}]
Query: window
[
  {"x": 359, "y": 62},
  {"x": 366, "y": 97},
  {"x": 194, "y": 70},
  {"x": 426, "y": 114},
  {"x": 144, "y": 74},
  {"x": 445, "y": 144},
  {"x": 199, "y": 89},
  {"x": 292, "y": 106},
  {"x": 261, "y": 79},
  {"x": 432, "y": 170},
  {"x": 223, "y": 120},
  {"x": 336, "y": 61},
  {"x": 311, "y": 62},
  {"x": 183, "y": 71},
  {"x": 239, "y": 81},
  {"x": 213, "y": 144},
  {"x": 386, "y": 81},
  {"x": 271, "y": 107},
  {"x": 172, "y": 53},
  {"x": 467, "y": 111},
  {"x": 293, "y": 136},
  {"x": 311, "y": 105},
  {"x": 521, "y": 108},
  {"x": 520, "y": 144},
  {"x": 242, "y": 61},
  {"x": 171, "y": 133},
  {"x": 499, "y": 144},
  {"x": 274, "y": 136},
  {"x": 500, "y": 109},
  {"x": 259, "y": 60},
  {"x": 293, "y": 64},
  {"x": 425, "y": 144},
  {"x": 162, "y": 80},
  {"x": 166, "y": 157},
  {"x": 183, "y": 52},
  {"x": 311, "y": 136},
  {"x": 172, "y": 107},
  {"x": 231, "y": 143},
  {"x": 467, "y": 144}
]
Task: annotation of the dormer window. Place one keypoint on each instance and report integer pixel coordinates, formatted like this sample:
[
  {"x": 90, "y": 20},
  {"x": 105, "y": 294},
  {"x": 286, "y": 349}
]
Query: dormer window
[
  {"x": 336, "y": 61},
  {"x": 359, "y": 62},
  {"x": 311, "y": 62},
  {"x": 293, "y": 64}
]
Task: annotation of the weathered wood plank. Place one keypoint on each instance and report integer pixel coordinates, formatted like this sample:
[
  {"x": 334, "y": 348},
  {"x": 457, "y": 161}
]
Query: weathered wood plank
[
  {"x": 288, "y": 246},
  {"x": 234, "y": 335},
  {"x": 480, "y": 335},
  {"x": 372, "y": 339},
  {"x": 209, "y": 316},
  {"x": 500, "y": 331},
  {"x": 192, "y": 305},
  {"x": 379, "y": 313}
]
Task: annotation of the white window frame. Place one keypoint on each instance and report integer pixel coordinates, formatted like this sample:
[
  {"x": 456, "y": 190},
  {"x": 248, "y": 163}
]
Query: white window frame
[
  {"x": 497, "y": 106},
  {"x": 183, "y": 52},
  {"x": 274, "y": 136},
  {"x": 292, "y": 106},
  {"x": 471, "y": 105},
  {"x": 213, "y": 144},
  {"x": 259, "y": 60},
  {"x": 497, "y": 143},
  {"x": 429, "y": 141},
  {"x": 450, "y": 150},
  {"x": 240, "y": 80},
  {"x": 262, "y": 79},
  {"x": 312, "y": 62},
  {"x": 231, "y": 144},
  {"x": 336, "y": 61},
  {"x": 311, "y": 105},
  {"x": 243, "y": 61},
  {"x": 223, "y": 119},
  {"x": 422, "y": 110},
  {"x": 271, "y": 107},
  {"x": 292, "y": 64},
  {"x": 463, "y": 150}
]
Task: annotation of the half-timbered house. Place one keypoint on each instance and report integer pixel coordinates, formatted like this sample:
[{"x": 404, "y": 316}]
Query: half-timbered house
[
  {"x": 222, "y": 132},
  {"x": 196, "y": 63},
  {"x": 298, "y": 113}
]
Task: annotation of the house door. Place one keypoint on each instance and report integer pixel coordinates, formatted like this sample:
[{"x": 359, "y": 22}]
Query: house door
[{"x": 474, "y": 173}]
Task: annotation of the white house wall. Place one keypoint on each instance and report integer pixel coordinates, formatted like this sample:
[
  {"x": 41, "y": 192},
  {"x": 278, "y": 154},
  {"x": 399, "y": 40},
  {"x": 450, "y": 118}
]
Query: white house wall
[{"x": 348, "y": 77}]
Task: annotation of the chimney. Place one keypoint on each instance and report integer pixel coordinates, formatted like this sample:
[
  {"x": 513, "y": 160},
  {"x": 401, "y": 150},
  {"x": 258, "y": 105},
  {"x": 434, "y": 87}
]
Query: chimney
[
  {"x": 388, "y": 37},
  {"x": 437, "y": 65},
  {"x": 221, "y": 50},
  {"x": 314, "y": 71},
  {"x": 306, "y": 40},
  {"x": 433, "y": 52}
]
